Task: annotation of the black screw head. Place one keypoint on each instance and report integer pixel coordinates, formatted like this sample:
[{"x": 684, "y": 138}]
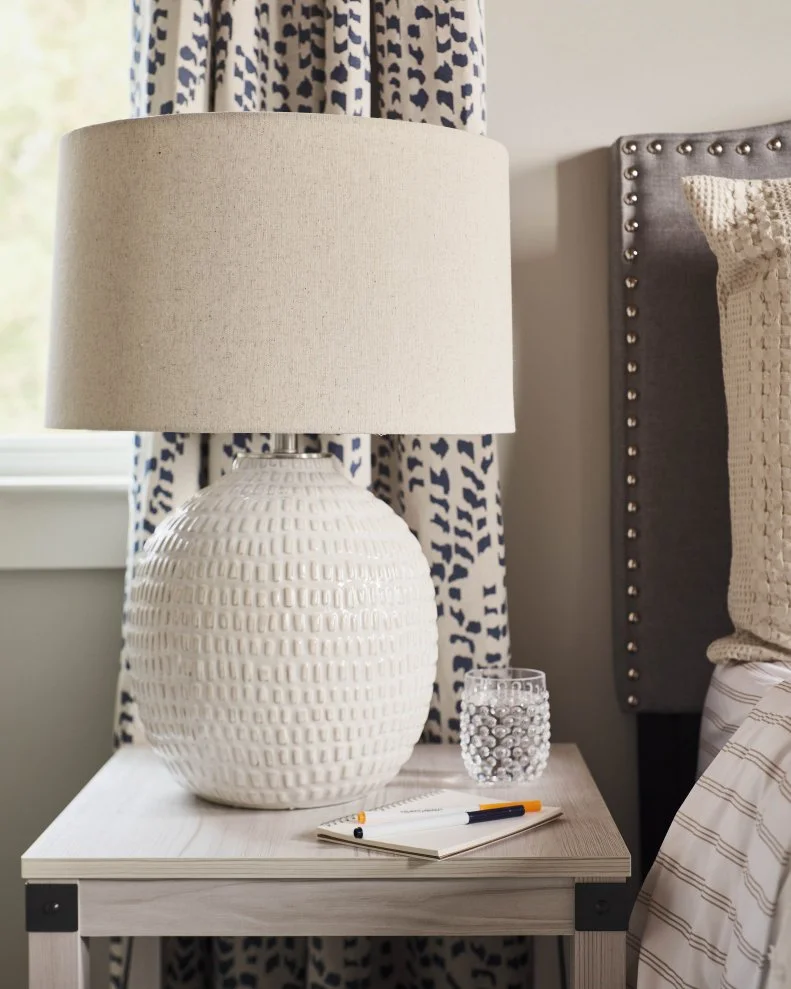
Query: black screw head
[
  {"x": 602, "y": 907},
  {"x": 52, "y": 907}
]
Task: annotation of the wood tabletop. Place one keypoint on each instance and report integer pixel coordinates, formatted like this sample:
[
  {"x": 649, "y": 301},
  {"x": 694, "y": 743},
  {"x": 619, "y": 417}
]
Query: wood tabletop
[{"x": 133, "y": 821}]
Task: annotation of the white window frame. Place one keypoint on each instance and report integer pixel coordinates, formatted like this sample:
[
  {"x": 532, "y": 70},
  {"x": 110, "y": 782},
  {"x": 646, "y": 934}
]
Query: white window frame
[{"x": 64, "y": 501}]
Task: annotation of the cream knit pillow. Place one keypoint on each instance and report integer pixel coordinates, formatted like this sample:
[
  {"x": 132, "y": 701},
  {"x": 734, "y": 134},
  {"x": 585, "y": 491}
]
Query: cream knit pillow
[{"x": 747, "y": 225}]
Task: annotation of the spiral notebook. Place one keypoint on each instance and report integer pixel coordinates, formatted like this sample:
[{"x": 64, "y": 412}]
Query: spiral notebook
[{"x": 438, "y": 843}]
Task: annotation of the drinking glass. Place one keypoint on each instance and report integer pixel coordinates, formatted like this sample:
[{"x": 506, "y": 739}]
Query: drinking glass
[{"x": 505, "y": 725}]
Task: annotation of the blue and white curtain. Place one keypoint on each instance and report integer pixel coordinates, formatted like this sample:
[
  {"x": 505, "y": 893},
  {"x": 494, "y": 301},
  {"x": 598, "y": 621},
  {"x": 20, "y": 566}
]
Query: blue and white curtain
[{"x": 398, "y": 59}]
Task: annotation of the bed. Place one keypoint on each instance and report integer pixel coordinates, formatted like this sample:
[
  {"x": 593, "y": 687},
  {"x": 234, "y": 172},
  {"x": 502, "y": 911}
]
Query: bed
[
  {"x": 670, "y": 518},
  {"x": 671, "y": 543}
]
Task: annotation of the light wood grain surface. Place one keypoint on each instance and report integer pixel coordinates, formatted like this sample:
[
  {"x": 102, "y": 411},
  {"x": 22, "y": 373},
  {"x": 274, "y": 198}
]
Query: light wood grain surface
[
  {"x": 598, "y": 960},
  {"x": 58, "y": 961},
  {"x": 343, "y": 907},
  {"x": 132, "y": 821}
]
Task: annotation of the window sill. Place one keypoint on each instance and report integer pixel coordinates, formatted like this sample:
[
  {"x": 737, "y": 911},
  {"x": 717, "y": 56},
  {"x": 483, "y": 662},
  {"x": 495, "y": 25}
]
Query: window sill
[{"x": 63, "y": 523}]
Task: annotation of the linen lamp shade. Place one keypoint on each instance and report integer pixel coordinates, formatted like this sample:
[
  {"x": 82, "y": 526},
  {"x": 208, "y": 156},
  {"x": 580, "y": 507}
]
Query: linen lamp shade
[{"x": 239, "y": 272}]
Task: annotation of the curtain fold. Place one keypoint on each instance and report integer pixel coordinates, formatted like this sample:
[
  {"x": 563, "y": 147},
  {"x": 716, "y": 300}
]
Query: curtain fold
[{"x": 399, "y": 60}]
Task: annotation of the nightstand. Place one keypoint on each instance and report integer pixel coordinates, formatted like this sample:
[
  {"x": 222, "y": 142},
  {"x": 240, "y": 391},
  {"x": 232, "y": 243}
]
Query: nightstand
[{"x": 134, "y": 854}]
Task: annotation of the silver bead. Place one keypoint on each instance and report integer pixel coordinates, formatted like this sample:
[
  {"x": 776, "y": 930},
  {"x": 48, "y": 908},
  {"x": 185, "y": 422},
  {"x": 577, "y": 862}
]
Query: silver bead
[
  {"x": 631, "y": 226},
  {"x": 632, "y": 591},
  {"x": 631, "y": 311},
  {"x": 631, "y": 507},
  {"x": 631, "y": 281},
  {"x": 631, "y": 173},
  {"x": 631, "y": 533},
  {"x": 632, "y": 673},
  {"x": 632, "y": 700},
  {"x": 630, "y": 198},
  {"x": 633, "y": 618},
  {"x": 629, "y": 147},
  {"x": 631, "y": 422},
  {"x": 631, "y": 646},
  {"x": 632, "y": 565},
  {"x": 685, "y": 148},
  {"x": 630, "y": 255},
  {"x": 715, "y": 148},
  {"x": 631, "y": 480},
  {"x": 631, "y": 395},
  {"x": 631, "y": 338},
  {"x": 775, "y": 144},
  {"x": 744, "y": 148},
  {"x": 631, "y": 368},
  {"x": 631, "y": 451},
  {"x": 655, "y": 147}
]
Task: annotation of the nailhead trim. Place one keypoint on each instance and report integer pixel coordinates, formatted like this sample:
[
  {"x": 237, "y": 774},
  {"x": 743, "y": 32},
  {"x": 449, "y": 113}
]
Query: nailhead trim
[{"x": 631, "y": 314}]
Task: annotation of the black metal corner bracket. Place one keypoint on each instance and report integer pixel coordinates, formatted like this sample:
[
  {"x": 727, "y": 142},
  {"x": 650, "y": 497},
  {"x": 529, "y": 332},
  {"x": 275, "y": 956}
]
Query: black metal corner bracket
[
  {"x": 51, "y": 907},
  {"x": 602, "y": 906}
]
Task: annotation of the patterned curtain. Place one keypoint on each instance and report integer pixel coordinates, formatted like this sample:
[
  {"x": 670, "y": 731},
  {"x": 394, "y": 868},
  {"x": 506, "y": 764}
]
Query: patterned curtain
[{"x": 395, "y": 59}]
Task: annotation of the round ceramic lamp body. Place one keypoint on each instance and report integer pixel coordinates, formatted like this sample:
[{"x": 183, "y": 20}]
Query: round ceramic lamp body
[{"x": 282, "y": 635}]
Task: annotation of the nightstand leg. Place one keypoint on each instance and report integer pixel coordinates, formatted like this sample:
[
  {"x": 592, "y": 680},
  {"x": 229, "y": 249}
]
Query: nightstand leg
[
  {"x": 58, "y": 961},
  {"x": 598, "y": 960}
]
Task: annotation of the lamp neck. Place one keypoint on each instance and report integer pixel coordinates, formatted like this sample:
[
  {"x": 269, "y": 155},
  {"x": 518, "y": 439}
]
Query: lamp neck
[{"x": 284, "y": 443}]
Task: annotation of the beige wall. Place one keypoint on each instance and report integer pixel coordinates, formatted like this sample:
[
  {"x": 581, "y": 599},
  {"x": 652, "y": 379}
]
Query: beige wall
[
  {"x": 59, "y": 641},
  {"x": 565, "y": 78}
]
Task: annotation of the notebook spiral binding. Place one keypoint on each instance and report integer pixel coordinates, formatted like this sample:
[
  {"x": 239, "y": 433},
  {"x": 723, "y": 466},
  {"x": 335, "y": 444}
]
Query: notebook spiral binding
[{"x": 351, "y": 818}]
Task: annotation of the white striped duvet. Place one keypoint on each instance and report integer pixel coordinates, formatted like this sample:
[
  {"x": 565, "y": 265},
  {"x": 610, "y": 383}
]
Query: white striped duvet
[
  {"x": 705, "y": 917},
  {"x": 734, "y": 690}
]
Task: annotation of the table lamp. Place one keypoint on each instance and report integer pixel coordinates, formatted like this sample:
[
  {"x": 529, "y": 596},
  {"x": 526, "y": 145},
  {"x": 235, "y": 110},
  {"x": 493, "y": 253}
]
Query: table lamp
[{"x": 287, "y": 273}]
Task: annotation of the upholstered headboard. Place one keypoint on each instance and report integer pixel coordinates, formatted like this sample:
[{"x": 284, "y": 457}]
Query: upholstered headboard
[{"x": 670, "y": 524}]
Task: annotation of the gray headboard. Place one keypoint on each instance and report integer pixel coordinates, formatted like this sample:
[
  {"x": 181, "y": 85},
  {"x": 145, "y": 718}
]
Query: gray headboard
[{"x": 670, "y": 523}]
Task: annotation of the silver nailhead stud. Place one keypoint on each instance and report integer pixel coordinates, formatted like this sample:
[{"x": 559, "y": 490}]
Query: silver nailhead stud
[
  {"x": 629, "y": 147},
  {"x": 631, "y": 368},
  {"x": 631, "y": 646},
  {"x": 715, "y": 148},
  {"x": 631, "y": 311},
  {"x": 631, "y": 565},
  {"x": 631, "y": 422},
  {"x": 630, "y": 198},
  {"x": 631, "y": 395},
  {"x": 632, "y": 591},
  {"x": 633, "y": 618},
  {"x": 655, "y": 147},
  {"x": 631, "y": 451},
  {"x": 631, "y": 226},
  {"x": 633, "y": 674},
  {"x": 633, "y": 701},
  {"x": 631, "y": 480},
  {"x": 744, "y": 148},
  {"x": 631, "y": 173},
  {"x": 631, "y": 507},
  {"x": 685, "y": 148},
  {"x": 630, "y": 281},
  {"x": 631, "y": 533},
  {"x": 775, "y": 144},
  {"x": 631, "y": 338},
  {"x": 630, "y": 255}
]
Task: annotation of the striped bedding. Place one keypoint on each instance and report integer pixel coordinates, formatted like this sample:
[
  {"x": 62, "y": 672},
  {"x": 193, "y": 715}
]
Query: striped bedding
[
  {"x": 734, "y": 690},
  {"x": 706, "y": 916}
]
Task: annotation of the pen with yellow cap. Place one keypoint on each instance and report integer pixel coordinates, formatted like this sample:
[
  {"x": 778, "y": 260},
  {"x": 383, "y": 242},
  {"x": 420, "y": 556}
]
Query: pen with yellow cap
[{"x": 405, "y": 814}]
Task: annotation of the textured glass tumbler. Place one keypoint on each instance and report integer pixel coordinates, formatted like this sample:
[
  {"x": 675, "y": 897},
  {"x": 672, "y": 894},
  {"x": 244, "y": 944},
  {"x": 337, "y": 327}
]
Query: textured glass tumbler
[{"x": 505, "y": 725}]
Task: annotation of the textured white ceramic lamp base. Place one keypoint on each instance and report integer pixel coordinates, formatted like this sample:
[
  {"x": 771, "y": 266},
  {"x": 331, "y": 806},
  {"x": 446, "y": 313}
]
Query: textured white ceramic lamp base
[{"x": 282, "y": 635}]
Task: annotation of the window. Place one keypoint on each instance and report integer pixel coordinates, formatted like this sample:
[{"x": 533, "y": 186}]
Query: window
[{"x": 63, "y": 64}]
